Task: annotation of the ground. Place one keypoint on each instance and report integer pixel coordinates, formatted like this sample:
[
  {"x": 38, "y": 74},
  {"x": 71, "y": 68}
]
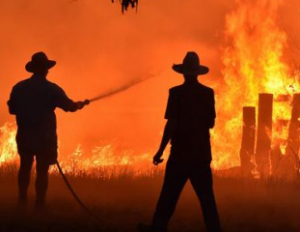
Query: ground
[{"x": 122, "y": 202}]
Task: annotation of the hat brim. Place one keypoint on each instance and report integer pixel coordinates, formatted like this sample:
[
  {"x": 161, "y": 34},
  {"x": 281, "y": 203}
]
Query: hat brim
[
  {"x": 32, "y": 67},
  {"x": 200, "y": 70}
]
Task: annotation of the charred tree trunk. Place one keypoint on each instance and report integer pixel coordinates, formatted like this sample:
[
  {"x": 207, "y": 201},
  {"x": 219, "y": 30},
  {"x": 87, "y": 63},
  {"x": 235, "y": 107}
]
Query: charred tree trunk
[
  {"x": 294, "y": 129},
  {"x": 264, "y": 133},
  {"x": 248, "y": 140}
]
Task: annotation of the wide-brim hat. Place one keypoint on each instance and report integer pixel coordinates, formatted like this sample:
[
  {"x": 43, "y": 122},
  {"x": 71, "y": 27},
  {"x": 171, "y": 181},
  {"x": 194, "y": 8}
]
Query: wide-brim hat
[
  {"x": 39, "y": 61},
  {"x": 191, "y": 65}
]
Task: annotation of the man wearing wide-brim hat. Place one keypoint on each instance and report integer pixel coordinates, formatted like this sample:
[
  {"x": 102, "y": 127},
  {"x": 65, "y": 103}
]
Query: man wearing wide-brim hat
[
  {"x": 190, "y": 114},
  {"x": 33, "y": 101}
]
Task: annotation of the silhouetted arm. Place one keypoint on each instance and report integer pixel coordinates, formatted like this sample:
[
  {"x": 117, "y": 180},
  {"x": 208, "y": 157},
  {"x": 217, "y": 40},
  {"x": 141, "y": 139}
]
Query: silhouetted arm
[
  {"x": 61, "y": 100},
  {"x": 168, "y": 132},
  {"x": 170, "y": 115},
  {"x": 67, "y": 104}
]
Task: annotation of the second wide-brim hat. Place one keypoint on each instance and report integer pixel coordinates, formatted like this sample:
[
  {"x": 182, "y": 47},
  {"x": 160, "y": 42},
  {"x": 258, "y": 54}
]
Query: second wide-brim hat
[{"x": 191, "y": 65}]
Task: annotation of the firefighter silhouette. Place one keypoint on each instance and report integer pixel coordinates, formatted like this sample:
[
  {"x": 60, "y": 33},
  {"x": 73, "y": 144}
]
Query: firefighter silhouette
[{"x": 34, "y": 101}]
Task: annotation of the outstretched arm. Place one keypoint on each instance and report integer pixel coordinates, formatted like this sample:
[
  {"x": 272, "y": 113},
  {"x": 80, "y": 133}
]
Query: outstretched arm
[
  {"x": 61, "y": 100},
  {"x": 168, "y": 132},
  {"x": 70, "y": 106}
]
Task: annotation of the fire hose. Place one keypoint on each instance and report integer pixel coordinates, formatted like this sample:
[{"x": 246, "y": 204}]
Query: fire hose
[
  {"x": 83, "y": 206},
  {"x": 99, "y": 97}
]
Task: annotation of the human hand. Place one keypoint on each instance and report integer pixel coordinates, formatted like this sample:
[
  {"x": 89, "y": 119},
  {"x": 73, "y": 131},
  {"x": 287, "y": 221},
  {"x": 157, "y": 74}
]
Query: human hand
[
  {"x": 157, "y": 158},
  {"x": 81, "y": 104}
]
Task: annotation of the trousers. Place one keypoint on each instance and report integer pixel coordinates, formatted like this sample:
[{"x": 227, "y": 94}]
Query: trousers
[{"x": 176, "y": 175}]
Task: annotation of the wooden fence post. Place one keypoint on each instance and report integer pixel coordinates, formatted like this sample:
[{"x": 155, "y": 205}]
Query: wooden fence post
[
  {"x": 248, "y": 140},
  {"x": 264, "y": 133}
]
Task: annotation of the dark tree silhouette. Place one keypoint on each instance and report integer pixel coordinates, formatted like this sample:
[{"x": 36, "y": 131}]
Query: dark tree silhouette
[{"x": 128, "y": 3}]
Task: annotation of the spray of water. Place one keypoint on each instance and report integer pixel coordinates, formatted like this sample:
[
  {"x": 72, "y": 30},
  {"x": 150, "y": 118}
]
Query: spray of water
[{"x": 119, "y": 89}]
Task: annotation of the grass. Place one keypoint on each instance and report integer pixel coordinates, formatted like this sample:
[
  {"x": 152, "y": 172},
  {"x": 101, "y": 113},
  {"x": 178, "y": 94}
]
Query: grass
[{"x": 122, "y": 201}]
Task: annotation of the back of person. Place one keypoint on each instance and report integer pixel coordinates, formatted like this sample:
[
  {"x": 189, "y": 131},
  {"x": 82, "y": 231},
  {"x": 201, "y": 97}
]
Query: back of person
[
  {"x": 191, "y": 105},
  {"x": 33, "y": 102}
]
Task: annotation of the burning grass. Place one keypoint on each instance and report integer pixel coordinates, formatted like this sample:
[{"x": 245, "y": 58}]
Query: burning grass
[{"x": 104, "y": 161}]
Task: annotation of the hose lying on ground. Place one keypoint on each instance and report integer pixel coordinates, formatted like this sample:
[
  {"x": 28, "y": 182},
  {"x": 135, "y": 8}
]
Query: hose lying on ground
[{"x": 74, "y": 193}]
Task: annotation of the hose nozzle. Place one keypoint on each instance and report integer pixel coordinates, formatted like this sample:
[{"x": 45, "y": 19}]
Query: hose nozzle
[{"x": 86, "y": 102}]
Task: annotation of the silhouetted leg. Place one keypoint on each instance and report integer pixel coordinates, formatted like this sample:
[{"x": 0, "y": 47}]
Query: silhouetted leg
[
  {"x": 26, "y": 161},
  {"x": 201, "y": 179},
  {"x": 41, "y": 182},
  {"x": 174, "y": 182}
]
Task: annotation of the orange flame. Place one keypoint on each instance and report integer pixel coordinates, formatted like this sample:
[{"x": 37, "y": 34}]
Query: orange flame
[
  {"x": 8, "y": 147},
  {"x": 253, "y": 63}
]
